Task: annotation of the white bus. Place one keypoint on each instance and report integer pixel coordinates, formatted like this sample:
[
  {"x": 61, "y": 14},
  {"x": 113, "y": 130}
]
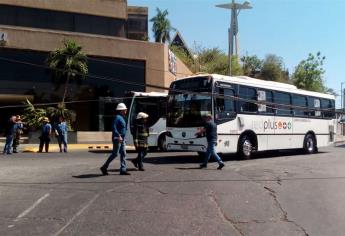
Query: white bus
[
  {"x": 154, "y": 104},
  {"x": 251, "y": 115}
]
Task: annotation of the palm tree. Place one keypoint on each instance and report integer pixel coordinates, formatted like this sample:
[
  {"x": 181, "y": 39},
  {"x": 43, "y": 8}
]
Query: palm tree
[
  {"x": 161, "y": 26},
  {"x": 68, "y": 63}
]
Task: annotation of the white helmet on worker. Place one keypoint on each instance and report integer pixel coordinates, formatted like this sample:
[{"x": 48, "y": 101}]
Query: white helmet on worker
[
  {"x": 142, "y": 115},
  {"x": 121, "y": 106}
]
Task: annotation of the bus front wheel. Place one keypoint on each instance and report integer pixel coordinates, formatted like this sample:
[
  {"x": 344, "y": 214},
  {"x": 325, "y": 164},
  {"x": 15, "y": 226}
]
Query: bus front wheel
[
  {"x": 309, "y": 144},
  {"x": 245, "y": 148}
]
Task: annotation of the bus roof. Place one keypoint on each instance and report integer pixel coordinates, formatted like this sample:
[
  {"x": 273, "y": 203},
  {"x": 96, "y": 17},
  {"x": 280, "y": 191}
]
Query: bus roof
[
  {"x": 149, "y": 94},
  {"x": 245, "y": 80}
]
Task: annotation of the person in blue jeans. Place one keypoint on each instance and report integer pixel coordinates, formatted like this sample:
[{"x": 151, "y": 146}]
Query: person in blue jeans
[
  {"x": 118, "y": 138},
  {"x": 61, "y": 130},
  {"x": 210, "y": 130},
  {"x": 9, "y": 133}
]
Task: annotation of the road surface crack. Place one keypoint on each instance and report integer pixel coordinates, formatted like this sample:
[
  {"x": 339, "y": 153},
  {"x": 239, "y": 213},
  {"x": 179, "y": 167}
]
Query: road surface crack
[
  {"x": 284, "y": 218},
  {"x": 155, "y": 189},
  {"x": 221, "y": 213}
]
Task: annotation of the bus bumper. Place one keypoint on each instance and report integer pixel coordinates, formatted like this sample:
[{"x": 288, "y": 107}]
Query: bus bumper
[{"x": 186, "y": 147}]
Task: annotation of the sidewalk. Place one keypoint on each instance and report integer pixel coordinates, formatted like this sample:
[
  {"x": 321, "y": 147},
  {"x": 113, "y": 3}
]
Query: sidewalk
[
  {"x": 339, "y": 140},
  {"x": 71, "y": 147}
]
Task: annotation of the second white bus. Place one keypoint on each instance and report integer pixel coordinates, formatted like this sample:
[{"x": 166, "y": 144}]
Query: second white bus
[
  {"x": 154, "y": 104},
  {"x": 251, "y": 115}
]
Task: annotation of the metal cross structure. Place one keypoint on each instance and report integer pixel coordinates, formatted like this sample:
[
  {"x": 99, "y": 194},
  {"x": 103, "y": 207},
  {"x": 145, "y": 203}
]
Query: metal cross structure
[{"x": 233, "y": 30}]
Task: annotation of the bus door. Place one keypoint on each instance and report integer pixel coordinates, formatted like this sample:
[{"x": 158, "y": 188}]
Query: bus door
[{"x": 225, "y": 113}]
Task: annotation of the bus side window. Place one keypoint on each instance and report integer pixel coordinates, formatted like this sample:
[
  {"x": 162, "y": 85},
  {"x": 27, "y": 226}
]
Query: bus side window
[
  {"x": 315, "y": 105},
  {"x": 327, "y": 107},
  {"x": 266, "y": 99},
  {"x": 224, "y": 103},
  {"x": 300, "y": 107},
  {"x": 283, "y": 103},
  {"x": 248, "y": 97}
]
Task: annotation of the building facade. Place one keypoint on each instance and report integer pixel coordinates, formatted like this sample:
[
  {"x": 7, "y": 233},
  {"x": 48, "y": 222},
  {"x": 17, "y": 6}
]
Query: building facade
[{"x": 113, "y": 37}]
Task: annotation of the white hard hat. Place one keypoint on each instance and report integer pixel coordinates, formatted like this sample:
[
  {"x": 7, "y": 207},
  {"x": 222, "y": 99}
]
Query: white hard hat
[
  {"x": 121, "y": 107},
  {"x": 142, "y": 115}
]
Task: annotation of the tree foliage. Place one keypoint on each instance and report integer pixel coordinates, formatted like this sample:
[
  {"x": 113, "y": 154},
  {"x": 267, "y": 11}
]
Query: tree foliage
[
  {"x": 68, "y": 63},
  {"x": 273, "y": 69},
  {"x": 161, "y": 26},
  {"x": 251, "y": 66},
  {"x": 33, "y": 116},
  {"x": 308, "y": 74},
  {"x": 207, "y": 60}
]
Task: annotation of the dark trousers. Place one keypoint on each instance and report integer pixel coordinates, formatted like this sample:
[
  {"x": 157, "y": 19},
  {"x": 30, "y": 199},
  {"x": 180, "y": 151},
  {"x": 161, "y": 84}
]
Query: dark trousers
[
  {"x": 141, "y": 155},
  {"x": 44, "y": 141},
  {"x": 16, "y": 141}
]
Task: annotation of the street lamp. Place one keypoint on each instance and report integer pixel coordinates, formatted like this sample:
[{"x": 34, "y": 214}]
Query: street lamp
[{"x": 233, "y": 30}]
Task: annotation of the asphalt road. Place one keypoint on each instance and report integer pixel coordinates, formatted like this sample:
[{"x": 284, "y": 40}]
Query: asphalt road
[{"x": 275, "y": 194}]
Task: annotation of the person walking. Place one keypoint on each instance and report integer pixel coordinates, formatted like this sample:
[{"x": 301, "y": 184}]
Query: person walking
[
  {"x": 61, "y": 130},
  {"x": 118, "y": 138},
  {"x": 210, "y": 129},
  {"x": 9, "y": 134},
  {"x": 18, "y": 131},
  {"x": 45, "y": 135},
  {"x": 140, "y": 135}
]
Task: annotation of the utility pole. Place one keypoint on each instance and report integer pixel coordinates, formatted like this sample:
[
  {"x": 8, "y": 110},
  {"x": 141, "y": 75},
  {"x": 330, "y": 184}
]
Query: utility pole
[
  {"x": 233, "y": 29},
  {"x": 342, "y": 96}
]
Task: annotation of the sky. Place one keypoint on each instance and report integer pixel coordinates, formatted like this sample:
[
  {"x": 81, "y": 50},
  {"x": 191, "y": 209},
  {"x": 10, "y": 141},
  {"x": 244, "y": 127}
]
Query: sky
[{"x": 290, "y": 29}]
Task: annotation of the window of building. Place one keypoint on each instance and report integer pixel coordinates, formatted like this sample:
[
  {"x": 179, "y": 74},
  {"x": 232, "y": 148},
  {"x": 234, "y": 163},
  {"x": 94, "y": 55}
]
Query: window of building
[
  {"x": 248, "y": 97},
  {"x": 283, "y": 103},
  {"x": 300, "y": 105},
  {"x": 66, "y": 21}
]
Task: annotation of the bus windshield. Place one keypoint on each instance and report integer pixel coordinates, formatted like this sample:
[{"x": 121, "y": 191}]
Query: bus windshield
[
  {"x": 189, "y": 100},
  {"x": 187, "y": 110}
]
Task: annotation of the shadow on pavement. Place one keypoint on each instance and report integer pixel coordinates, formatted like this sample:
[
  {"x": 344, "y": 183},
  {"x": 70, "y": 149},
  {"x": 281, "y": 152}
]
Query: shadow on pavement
[
  {"x": 172, "y": 159},
  {"x": 87, "y": 176},
  {"x": 188, "y": 168},
  {"x": 190, "y": 159}
]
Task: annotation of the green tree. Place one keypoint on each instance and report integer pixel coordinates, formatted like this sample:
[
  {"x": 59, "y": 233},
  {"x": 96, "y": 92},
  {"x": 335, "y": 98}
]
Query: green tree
[
  {"x": 61, "y": 111},
  {"x": 251, "y": 66},
  {"x": 161, "y": 26},
  {"x": 184, "y": 57},
  {"x": 273, "y": 69},
  {"x": 33, "y": 116},
  {"x": 68, "y": 63},
  {"x": 308, "y": 73}
]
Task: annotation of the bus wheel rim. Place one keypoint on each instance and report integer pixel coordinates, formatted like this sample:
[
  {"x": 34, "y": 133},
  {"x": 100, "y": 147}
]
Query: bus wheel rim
[
  {"x": 310, "y": 144},
  {"x": 247, "y": 148}
]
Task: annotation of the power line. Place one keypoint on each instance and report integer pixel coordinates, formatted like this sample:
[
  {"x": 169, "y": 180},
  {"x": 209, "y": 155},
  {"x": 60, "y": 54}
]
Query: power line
[{"x": 112, "y": 79}]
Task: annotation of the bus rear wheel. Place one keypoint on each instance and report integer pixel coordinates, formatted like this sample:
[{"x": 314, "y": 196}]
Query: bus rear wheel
[
  {"x": 245, "y": 148},
  {"x": 162, "y": 144},
  {"x": 309, "y": 144}
]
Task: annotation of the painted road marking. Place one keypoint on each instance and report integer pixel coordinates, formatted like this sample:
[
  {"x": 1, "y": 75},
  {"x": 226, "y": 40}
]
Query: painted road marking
[
  {"x": 77, "y": 214},
  {"x": 27, "y": 211}
]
